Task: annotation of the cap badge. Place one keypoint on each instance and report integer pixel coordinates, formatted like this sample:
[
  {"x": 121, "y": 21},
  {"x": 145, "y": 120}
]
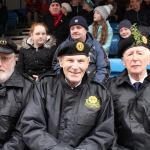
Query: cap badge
[
  {"x": 2, "y": 42},
  {"x": 76, "y": 20},
  {"x": 92, "y": 102},
  {"x": 144, "y": 39},
  {"x": 80, "y": 46}
]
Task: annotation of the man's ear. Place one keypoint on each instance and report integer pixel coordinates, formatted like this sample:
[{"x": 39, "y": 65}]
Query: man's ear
[
  {"x": 122, "y": 61},
  {"x": 60, "y": 58}
]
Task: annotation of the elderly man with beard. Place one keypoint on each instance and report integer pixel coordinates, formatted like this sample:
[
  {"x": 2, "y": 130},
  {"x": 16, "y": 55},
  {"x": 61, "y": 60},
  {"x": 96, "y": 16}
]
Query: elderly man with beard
[
  {"x": 68, "y": 111},
  {"x": 99, "y": 67},
  {"x": 56, "y": 21},
  {"x": 14, "y": 93}
]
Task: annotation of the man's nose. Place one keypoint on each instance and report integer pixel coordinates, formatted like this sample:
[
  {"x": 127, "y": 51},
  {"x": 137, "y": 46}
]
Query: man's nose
[
  {"x": 135, "y": 57},
  {"x": 75, "y": 65}
]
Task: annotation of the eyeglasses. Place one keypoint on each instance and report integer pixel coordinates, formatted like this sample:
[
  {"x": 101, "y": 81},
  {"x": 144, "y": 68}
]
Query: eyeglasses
[{"x": 5, "y": 59}]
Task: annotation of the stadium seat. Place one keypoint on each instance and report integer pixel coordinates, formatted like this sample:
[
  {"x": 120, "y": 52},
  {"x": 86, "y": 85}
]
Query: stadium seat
[
  {"x": 12, "y": 20},
  {"x": 114, "y": 45},
  {"x": 114, "y": 27},
  {"x": 116, "y": 66}
]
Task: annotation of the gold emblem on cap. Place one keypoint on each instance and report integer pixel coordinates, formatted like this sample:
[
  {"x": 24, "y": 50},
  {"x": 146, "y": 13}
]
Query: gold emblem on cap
[
  {"x": 2, "y": 42},
  {"x": 80, "y": 46},
  {"x": 92, "y": 102},
  {"x": 144, "y": 39}
]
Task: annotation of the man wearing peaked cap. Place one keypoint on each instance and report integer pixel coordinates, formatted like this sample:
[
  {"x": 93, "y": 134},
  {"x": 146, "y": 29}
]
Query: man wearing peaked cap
[
  {"x": 76, "y": 112},
  {"x": 99, "y": 67},
  {"x": 131, "y": 92},
  {"x": 14, "y": 94}
]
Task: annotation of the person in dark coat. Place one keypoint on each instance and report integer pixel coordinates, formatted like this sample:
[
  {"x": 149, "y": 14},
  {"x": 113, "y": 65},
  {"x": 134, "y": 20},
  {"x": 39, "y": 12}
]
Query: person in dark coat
[
  {"x": 130, "y": 91},
  {"x": 3, "y": 17},
  {"x": 88, "y": 11},
  {"x": 15, "y": 90},
  {"x": 68, "y": 111},
  {"x": 37, "y": 52},
  {"x": 56, "y": 21},
  {"x": 137, "y": 15}
]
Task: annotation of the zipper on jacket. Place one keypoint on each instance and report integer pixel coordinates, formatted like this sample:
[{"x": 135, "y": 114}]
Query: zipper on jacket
[{"x": 36, "y": 49}]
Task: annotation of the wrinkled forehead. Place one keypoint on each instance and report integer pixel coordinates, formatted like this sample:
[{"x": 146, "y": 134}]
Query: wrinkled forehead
[{"x": 142, "y": 49}]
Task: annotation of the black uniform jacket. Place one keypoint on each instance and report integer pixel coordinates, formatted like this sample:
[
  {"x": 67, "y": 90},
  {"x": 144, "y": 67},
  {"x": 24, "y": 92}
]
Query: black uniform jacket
[
  {"x": 14, "y": 95},
  {"x": 132, "y": 112},
  {"x": 61, "y": 31},
  {"x": 61, "y": 118}
]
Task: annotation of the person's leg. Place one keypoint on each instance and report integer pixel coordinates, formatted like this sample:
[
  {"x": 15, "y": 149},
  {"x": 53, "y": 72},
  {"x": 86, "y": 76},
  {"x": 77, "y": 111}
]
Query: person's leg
[
  {"x": 35, "y": 17},
  {"x": 29, "y": 18}
]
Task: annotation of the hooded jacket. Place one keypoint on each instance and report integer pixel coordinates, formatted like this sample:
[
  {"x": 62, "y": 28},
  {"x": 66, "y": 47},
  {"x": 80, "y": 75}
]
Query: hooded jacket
[
  {"x": 99, "y": 67},
  {"x": 132, "y": 112},
  {"x": 36, "y": 61},
  {"x": 61, "y": 118}
]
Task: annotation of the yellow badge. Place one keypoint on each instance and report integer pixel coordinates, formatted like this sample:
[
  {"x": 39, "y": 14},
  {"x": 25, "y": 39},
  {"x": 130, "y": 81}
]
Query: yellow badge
[
  {"x": 80, "y": 46},
  {"x": 144, "y": 39},
  {"x": 2, "y": 42},
  {"x": 92, "y": 102}
]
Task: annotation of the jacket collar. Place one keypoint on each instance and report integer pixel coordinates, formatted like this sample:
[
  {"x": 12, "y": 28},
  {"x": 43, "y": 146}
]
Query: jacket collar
[
  {"x": 27, "y": 43},
  {"x": 123, "y": 77},
  {"x": 15, "y": 80}
]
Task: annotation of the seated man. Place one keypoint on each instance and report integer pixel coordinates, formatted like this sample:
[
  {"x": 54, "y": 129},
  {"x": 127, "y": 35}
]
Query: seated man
[
  {"x": 99, "y": 67},
  {"x": 68, "y": 111},
  {"x": 137, "y": 15},
  {"x": 14, "y": 93},
  {"x": 131, "y": 94}
]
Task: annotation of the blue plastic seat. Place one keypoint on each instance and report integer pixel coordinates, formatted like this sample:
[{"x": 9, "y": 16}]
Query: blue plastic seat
[
  {"x": 114, "y": 27},
  {"x": 12, "y": 20},
  {"x": 114, "y": 45},
  {"x": 116, "y": 66}
]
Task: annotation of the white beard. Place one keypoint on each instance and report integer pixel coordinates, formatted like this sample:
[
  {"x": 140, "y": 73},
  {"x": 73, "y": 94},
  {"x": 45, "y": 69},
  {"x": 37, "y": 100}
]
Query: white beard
[{"x": 5, "y": 75}]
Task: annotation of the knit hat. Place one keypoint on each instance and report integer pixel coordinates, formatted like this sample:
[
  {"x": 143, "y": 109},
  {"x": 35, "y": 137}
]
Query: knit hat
[
  {"x": 67, "y": 7},
  {"x": 90, "y": 3},
  {"x": 54, "y": 1},
  {"x": 104, "y": 10},
  {"x": 7, "y": 46},
  {"x": 124, "y": 24},
  {"x": 74, "y": 48},
  {"x": 79, "y": 20},
  {"x": 134, "y": 40}
]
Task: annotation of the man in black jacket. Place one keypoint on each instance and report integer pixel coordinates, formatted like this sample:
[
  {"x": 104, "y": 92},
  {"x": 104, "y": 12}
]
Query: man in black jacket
[
  {"x": 68, "y": 111},
  {"x": 14, "y": 93},
  {"x": 56, "y": 21},
  {"x": 137, "y": 14},
  {"x": 131, "y": 94}
]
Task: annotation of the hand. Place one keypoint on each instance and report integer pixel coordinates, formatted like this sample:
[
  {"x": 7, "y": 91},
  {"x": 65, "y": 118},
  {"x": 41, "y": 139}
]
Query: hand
[{"x": 36, "y": 77}]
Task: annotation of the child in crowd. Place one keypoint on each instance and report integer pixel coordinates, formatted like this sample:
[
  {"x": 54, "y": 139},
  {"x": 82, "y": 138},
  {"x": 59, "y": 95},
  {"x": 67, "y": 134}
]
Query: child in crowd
[
  {"x": 66, "y": 9},
  {"x": 124, "y": 28},
  {"x": 36, "y": 53},
  {"x": 101, "y": 29}
]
